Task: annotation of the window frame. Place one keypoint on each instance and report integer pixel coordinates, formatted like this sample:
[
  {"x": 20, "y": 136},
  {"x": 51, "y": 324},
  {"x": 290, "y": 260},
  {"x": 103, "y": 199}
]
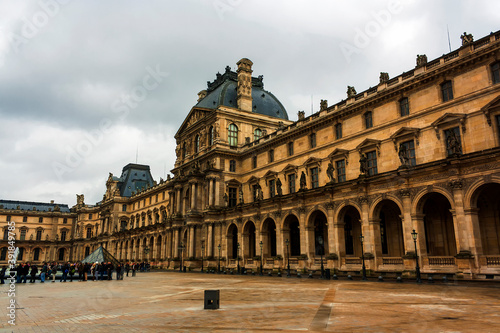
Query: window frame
[
  {"x": 290, "y": 149},
  {"x": 232, "y": 196},
  {"x": 446, "y": 91},
  {"x": 257, "y": 134},
  {"x": 457, "y": 131},
  {"x": 271, "y": 155},
  {"x": 404, "y": 107},
  {"x": 314, "y": 177},
  {"x": 341, "y": 177},
  {"x": 197, "y": 144},
  {"x": 338, "y": 131},
  {"x": 371, "y": 162},
  {"x": 312, "y": 140},
  {"x": 232, "y": 165},
  {"x": 232, "y": 135},
  {"x": 291, "y": 178},
  {"x": 495, "y": 72},
  {"x": 368, "y": 119}
]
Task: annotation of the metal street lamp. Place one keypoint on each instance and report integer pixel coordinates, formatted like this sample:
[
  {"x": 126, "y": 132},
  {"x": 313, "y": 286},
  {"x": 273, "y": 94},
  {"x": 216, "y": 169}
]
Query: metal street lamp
[
  {"x": 362, "y": 238},
  {"x": 261, "y": 273},
  {"x": 320, "y": 241},
  {"x": 218, "y": 261},
  {"x": 288, "y": 258},
  {"x": 414, "y": 235},
  {"x": 202, "y": 249},
  {"x": 238, "y": 257},
  {"x": 181, "y": 248}
]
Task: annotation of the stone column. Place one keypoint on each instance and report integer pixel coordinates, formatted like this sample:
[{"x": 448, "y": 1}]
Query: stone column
[
  {"x": 210, "y": 242},
  {"x": 217, "y": 192},
  {"x": 191, "y": 242},
  {"x": 193, "y": 196},
  {"x": 176, "y": 235},
  {"x": 178, "y": 195},
  {"x": 408, "y": 226},
  {"x": 460, "y": 226},
  {"x": 210, "y": 192}
]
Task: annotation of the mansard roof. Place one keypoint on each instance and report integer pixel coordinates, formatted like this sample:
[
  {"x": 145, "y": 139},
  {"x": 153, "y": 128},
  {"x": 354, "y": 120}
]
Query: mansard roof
[
  {"x": 222, "y": 92},
  {"x": 29, "y": 205},
  {"x": 134, "y": 177}
]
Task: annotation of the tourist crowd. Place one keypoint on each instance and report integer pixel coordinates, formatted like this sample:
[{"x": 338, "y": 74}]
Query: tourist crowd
[{"x": 84, "y": 271}]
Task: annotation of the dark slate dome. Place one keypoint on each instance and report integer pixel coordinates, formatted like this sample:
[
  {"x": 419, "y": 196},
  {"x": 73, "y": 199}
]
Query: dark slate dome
[{"x": 222, "y": 91}]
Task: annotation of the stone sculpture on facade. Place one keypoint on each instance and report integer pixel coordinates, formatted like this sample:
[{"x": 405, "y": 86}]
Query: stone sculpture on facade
[
  {"x": 363, "y": 164},
  {"x": 421, "y": 60},
  {"x": 351, "y": 92},
  {"x": 384, "y": 77},
  {"x": 466, "y": 38},
  {"x": 403, "y": 155},
  {"x": 303, "y": 183},
  {"x": 329, "y": 172},
  {"x": 278, "y": 187}
]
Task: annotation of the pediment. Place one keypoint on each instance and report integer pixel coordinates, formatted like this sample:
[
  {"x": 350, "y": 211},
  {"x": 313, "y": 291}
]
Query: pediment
[
  {"x": 194, "y": 116},
  {"x": 338, "y": 152},
  {"x": 253, "y": 179},
  {"x": 290, "y": 168},
  {"x": 493, "y": 106},
  {"x": 233, "y": 182},
  {"x": 312, "y": 160},
  {"x": 448, "y": 118},
  {"x": 270, "y": 174},
  {"x": 368, "y": 143},
  {"x": 405, "y": 133}
]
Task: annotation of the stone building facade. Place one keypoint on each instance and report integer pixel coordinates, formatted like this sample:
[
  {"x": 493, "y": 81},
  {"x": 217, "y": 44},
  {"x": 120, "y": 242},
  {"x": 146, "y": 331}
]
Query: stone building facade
[{"x": 415, "y": 153}]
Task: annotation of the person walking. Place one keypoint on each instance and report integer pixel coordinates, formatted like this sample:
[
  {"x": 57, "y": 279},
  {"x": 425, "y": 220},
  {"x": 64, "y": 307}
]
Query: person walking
[
  {"x": 102, "y": 269},
  {"x": 72, "y": 270},
  {"x": 110, "y": 271},
  {"x": 96, "y": 271},
  {"x": 65, "y": 271},
  {"x": 33, "y": 273},
  {"x": 134, "y": 267},
  {"x": 25, "y": 270},
  {"x": 127, "y": 268},
  {"x": 54, "y": 272},
  {"x": 43, "y": 272}
]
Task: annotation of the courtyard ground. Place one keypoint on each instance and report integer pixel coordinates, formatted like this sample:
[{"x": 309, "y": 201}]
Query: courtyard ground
[{"x": 174, "y": 302}]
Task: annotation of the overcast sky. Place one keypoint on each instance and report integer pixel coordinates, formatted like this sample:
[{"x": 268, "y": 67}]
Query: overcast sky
[{"x": 84, "y": 85}]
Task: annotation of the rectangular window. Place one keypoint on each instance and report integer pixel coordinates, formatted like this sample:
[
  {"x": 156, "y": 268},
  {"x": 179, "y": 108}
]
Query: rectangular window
[
  {"x": 495, "y": 72},
  {"x": 409, "y": 147},
  {"x": 8, "y": 218},
  {"x": 123, "y": 225},
  {"x": 65, "y": 220},
  {"x": 6, "y": 234},
  {"x": 89, "y": 232},
  {"x": 90, "y": 216},
  {"x": 291, "y": 183},
  {"x": 340, "y": 165},
  {"x": 447, "y": 91},
  {"x": 232, "y": 196},
  {"x": 156, "y": 198},
  {"x": 272, "y": 188},
  {"x": 314, "y": 177},
  {"x": 40, "y": 219},
  {"x": 39, "y": 235},
  {"x": 371, "y": 159},
  {"x": 453, "y": 141},
  {"x": 254, "y": 162},
  {"x": 232, "y": 166},
  {"x": 124, "y": 208},
  {"x": 290, "y": 148},
  {"x": 404, "y": 107},
  {"x": 23, "y": 234},
  {"x": 338, "y": 131},
  {"x": 271, "y": 155},
  {"x": 63, "y": 235},
  {"x": 25, "y": 219},
  {"x": 368, "y": 119},
  {"x": 312, "y": 140}
]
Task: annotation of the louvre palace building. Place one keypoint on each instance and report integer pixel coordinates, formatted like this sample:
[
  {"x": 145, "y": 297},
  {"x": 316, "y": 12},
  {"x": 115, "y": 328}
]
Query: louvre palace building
[{"x": 406, "y": 170}]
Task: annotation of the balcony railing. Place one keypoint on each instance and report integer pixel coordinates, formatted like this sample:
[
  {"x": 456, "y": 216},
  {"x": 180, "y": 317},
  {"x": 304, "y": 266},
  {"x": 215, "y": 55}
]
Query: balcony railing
[
  {"x": 492, "y": 260},
  {"x": 353, "y": 261},
  {"x": 441, "y": 261},
  {"x": 392, "y": 261}
]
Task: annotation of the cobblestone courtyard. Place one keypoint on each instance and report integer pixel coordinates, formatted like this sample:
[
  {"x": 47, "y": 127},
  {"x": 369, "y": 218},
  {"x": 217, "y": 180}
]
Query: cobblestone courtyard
[{"x": 173, "y": 302}]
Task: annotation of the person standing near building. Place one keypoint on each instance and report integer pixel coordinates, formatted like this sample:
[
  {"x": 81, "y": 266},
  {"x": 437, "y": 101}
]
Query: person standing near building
[
  {"x": 54, "y": 272},
  {"x": 102, "y": 269},
  {"x": 43, "y": 272},
  {"x": 127, "y": 268},
  {"x": 72, "y": 270},
  {"x": 33, "y": 273},
  {"x": 134, "y": 267}
]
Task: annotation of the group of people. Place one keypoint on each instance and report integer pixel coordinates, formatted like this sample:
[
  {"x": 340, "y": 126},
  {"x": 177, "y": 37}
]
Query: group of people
[{"x": 86, "y": 271}]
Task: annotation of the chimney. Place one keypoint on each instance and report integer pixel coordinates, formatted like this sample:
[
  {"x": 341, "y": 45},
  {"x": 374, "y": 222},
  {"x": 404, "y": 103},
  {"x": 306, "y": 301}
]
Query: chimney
[{"x": 244, "y": 92}]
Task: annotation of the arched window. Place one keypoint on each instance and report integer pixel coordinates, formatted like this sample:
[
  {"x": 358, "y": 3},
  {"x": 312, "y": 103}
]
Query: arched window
[
  {"x": 211, "y": 136},
  {"x": 36, "y": 254},
  {"x": 233, "y": 135},
  {"x": 197, "y": 144},
  {"x": 257, "y": 134}
]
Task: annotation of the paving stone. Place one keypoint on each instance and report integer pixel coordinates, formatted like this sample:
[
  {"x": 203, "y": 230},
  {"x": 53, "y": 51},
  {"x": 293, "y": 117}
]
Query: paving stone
[{"x": 173, "y": 302}]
